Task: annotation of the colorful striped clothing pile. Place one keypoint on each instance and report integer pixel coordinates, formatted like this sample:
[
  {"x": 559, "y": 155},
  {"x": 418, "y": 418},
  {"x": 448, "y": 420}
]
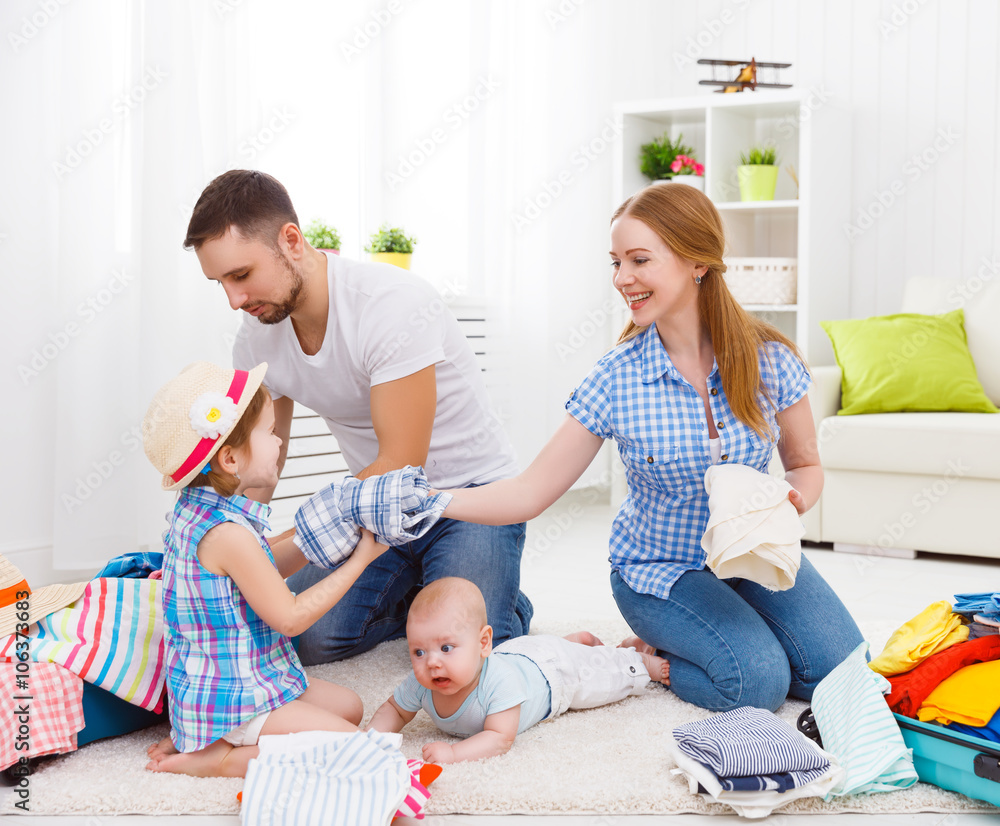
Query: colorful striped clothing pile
[
  {"x": 317, "y": 778},
  {"x": 112, "y": 636},
  {"x": 858, "y": 728},
  {"x": 395, "y": 506}
]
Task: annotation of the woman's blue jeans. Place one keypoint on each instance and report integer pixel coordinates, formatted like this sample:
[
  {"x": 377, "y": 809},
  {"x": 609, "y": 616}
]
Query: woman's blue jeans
[{"x": 733, "y": 643}]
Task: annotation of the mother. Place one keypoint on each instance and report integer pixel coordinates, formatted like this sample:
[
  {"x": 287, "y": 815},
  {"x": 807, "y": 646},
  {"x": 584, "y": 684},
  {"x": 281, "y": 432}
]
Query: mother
[{"x": 694, "y": 380}]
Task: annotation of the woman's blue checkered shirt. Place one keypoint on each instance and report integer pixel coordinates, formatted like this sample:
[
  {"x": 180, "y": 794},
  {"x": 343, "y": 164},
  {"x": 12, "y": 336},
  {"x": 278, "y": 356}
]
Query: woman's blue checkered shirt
[{"x": 637, "y": 397}]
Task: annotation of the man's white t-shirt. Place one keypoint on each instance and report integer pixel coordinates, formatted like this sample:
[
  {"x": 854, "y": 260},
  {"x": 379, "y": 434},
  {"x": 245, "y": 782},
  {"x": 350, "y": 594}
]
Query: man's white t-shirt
[{"x": 384, "y": 324}]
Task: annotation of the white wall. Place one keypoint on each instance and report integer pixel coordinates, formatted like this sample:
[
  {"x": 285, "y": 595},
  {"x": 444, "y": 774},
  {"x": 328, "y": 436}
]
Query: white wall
[{"x": 919, "y": 78}]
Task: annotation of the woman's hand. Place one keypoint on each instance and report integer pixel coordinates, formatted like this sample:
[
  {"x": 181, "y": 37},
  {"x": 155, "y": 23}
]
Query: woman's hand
[{"x": 798, "y": 501}]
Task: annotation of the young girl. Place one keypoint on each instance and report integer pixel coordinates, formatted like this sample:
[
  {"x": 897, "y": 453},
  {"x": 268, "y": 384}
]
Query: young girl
[
  {"x": 232, "y": 673},
  {"x": 695, "y": 380}
]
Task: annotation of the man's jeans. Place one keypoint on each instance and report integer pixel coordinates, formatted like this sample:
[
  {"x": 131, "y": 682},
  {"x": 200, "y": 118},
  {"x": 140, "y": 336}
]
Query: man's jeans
[
  {"x": 733, "y": 643},
  {"x": 374, "y": 609}
]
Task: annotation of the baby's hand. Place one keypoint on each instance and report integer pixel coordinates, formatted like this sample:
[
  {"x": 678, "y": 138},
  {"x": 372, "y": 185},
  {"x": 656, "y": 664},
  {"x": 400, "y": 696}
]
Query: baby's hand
[
  {"x": 796, "y": 499},
  {"x": 439, "y": 752}
]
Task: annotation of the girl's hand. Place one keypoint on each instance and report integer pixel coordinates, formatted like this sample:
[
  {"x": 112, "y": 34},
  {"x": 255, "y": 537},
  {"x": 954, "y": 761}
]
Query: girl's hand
[
  {"x": 796, "y": 499},
  {"x": 439, "y": 752},
  {"x": 369, "y": 549}
]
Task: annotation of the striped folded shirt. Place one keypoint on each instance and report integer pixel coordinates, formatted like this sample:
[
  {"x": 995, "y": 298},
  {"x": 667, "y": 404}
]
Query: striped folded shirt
[
  {"x": 858, "y": 729},
  {"x": 320, "y": 778},
  {"x": 750, "y": 742}
]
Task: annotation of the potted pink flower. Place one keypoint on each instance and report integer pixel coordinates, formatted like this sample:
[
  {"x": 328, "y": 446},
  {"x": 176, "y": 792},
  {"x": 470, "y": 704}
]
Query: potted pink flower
[{"x": 688, "y": 171}]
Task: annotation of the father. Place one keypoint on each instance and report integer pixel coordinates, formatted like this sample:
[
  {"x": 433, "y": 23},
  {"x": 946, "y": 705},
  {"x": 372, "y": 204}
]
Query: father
[{"x": 370, "y": 348}]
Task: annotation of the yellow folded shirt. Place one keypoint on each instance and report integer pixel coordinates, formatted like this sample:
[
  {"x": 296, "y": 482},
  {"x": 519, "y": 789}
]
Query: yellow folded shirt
[
  {"x": 932, "y": 630},
  {"x": 971, "y": 695}
]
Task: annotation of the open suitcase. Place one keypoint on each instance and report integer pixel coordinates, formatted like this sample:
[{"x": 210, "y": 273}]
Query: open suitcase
[
  {"x": 952, "y": 760},
  {"x": 944, "y": 758}
]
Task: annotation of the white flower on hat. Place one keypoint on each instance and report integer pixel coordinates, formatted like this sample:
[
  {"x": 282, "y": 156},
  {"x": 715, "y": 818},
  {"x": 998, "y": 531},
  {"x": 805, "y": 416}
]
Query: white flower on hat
[{"x": 212, "y": 414}]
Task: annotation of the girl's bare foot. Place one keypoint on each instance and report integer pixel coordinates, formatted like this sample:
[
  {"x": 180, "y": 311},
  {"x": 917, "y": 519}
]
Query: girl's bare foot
[
  {"x": 583, "y": 638},
  {"x": 211, "y": 761},
  {"x": 162, "y": 749},
  {"x": 657, "y": 667},
  {"x": 638, "y": 645}
]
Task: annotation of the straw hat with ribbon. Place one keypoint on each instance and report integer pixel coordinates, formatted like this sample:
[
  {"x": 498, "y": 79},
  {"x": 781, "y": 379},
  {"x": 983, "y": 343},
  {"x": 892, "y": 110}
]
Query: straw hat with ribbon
[
  {"x": 192, "y": 415},
  {"x": 34, "y": 603}
]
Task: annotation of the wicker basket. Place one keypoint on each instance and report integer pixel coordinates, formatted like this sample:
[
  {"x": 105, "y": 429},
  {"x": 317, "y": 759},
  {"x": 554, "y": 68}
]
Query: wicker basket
[{"x": 762, "y": 280}]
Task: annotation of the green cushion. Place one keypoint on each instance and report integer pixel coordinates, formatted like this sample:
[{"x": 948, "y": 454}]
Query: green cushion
[{"x": 905, "y": 362}]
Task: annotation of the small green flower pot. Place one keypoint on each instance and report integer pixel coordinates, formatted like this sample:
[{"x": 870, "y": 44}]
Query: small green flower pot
[
  {"x": 398, "y": 259},
  {"x": 757, "y": 182}
]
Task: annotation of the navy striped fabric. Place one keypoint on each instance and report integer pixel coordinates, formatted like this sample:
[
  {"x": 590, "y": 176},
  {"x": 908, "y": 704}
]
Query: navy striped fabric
[
  {"x": 749, "y": 742},
  {"x": 771, "y": 782}
]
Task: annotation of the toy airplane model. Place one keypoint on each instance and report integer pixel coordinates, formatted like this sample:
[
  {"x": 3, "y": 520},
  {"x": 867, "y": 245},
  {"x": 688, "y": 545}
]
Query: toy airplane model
[{"x": 747, "y": 76}]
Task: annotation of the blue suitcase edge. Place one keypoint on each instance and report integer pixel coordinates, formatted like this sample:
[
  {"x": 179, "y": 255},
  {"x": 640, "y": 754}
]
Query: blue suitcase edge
[
  {"x": 952, "y": 760},
  {"x": 106, "y": 715}
]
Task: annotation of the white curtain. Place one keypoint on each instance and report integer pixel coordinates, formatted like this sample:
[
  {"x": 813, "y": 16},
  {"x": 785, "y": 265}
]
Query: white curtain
[
  {"x": 484, "y": 108},
  {"x": 150, "y": 100},
  {"x": 124, "y": 110}
]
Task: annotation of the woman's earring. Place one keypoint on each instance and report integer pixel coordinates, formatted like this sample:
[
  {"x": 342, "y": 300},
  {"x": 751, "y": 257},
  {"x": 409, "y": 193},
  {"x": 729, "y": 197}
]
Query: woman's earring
[{"x": 697, "y": 279}]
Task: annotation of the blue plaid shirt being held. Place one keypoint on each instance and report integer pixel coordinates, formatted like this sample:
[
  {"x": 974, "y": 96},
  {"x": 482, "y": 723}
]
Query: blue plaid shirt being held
[
  {"x": 637, "y": 397},
  {"x": 397, "y": 507}
]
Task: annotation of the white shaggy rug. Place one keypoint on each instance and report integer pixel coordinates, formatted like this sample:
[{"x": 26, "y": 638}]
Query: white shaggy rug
[{"x": 609, "y": 760}]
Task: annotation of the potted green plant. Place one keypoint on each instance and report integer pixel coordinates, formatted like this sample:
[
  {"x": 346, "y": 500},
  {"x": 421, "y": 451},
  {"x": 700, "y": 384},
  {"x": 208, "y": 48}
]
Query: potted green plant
[
  {"x": 758, "y": 173},
  {"x": 657, "y": 157},
  {"x": 322, "y": 237},
  {"x": 391, "y": 246}
]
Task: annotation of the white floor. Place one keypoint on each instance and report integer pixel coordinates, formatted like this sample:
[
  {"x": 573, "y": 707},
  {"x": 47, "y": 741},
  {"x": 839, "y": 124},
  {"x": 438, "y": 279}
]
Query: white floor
[{"x": 565, "y": 573}]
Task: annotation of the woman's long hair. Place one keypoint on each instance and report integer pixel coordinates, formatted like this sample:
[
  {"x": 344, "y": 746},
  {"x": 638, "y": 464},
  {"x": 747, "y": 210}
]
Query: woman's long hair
[{"x": 690, "y": 225}]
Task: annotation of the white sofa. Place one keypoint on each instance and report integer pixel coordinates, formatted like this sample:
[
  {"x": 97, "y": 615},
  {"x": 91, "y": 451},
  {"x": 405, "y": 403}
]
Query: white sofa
[{"x": 903, "y": 482}]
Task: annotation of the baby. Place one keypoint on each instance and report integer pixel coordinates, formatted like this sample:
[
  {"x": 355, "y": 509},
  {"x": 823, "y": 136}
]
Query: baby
[{"x": 489, "y": 697}]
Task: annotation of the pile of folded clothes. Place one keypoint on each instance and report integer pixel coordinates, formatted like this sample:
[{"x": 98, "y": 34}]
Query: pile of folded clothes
[
  {"x": 752, "y": 761},
  {"x": 944, "y": 665}
]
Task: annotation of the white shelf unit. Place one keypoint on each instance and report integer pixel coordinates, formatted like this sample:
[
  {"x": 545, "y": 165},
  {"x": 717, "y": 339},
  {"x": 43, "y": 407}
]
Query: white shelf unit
[{"x": 804, "y": 221}]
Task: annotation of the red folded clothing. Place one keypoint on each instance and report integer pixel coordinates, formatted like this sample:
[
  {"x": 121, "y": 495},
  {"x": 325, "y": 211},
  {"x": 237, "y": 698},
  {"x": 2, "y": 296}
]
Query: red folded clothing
[{"x": 909, "y": 690}]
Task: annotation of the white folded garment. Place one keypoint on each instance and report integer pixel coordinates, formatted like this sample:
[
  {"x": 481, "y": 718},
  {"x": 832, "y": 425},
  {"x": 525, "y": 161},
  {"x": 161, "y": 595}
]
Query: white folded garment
[
  {"x": 318, "y": 778},
  {"x": 753, "y": 530}
]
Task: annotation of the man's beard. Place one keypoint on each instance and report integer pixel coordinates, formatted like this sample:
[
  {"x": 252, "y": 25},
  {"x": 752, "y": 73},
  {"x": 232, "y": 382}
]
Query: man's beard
[{"x": 285, "y": 308}]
